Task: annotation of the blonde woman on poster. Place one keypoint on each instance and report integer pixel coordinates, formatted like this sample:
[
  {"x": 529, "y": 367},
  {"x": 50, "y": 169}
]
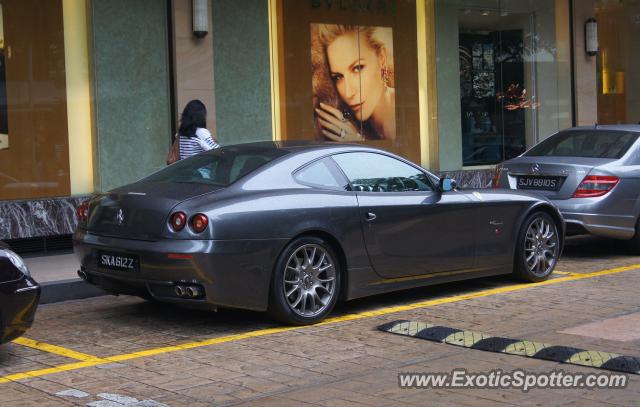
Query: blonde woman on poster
[{"x": 353, "y": 82}]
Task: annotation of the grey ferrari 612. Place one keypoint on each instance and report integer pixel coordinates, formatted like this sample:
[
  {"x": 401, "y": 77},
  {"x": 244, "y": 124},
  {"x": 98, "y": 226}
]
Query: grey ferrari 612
[{"x": 292, "y": 228}]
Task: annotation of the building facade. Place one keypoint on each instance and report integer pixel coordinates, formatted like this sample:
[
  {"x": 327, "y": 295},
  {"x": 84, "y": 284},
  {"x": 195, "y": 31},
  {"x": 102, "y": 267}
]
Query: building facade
[{"x": 91, "y": 90}]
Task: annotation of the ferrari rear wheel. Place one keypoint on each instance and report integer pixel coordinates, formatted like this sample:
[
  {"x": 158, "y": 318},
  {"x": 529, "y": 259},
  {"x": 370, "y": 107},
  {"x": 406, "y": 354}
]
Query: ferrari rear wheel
[
  {"x": 538, "y": 248},
  {"x": 305, "y": 283}
]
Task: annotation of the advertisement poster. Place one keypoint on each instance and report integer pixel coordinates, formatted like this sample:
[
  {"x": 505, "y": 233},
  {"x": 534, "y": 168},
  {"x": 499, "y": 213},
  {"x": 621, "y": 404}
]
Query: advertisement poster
[
  {"x": 353, "y": 82},
  {"x": 348, "y": 72}
]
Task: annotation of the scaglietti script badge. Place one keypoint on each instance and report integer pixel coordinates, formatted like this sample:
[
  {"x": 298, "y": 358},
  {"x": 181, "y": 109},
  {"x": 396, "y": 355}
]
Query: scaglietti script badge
[{"x": 120, "y": 217}]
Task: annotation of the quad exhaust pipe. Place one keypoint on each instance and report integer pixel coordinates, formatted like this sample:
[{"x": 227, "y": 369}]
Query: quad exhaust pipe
[{"x": 188, "y": 291}]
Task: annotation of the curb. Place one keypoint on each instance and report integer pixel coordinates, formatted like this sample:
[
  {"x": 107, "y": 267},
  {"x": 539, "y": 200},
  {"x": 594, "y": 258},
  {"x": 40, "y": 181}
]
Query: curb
[{"x": 65, "y": 290}]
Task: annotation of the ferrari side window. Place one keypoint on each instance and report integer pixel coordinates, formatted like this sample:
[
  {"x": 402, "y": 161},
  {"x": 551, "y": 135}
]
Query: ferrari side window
[
  {"x": 371, "y": 172},
  {"x": 318, "y": 174},
  {"x": 222, "y": 166}
]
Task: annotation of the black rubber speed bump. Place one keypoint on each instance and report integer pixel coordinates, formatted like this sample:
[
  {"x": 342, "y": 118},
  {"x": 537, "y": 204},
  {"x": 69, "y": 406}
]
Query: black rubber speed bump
[{"x": 519, "y": 347}]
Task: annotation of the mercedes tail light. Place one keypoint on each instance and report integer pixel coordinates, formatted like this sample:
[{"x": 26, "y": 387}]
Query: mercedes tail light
[
  {"x": 83, "y": 212},
  {"x": 199, "y": 223},
  {"x": 495, "y": 181},
  {"x": 178, "y": 220},
  {"x": 595, "y": 185}
]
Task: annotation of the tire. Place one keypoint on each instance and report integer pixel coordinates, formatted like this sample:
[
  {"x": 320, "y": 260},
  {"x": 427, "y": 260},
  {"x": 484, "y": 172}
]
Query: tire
[
  {"x": 538, "y": 248},
  {"x": 635, "y": 240},
  {"x": 309, "y": 272}
]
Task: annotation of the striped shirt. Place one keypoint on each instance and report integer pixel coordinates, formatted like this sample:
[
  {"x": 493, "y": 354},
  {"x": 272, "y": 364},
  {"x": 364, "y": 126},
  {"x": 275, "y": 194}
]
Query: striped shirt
[{"x": 202, "y": 141}]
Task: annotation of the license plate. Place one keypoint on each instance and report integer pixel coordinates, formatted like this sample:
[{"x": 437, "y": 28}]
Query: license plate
[
  {"x": 540, "y": 183},
  {"x": 118, "y": 261}
]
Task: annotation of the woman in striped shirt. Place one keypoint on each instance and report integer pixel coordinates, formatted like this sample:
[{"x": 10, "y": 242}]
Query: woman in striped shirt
[{"x": 193, "y": 133}]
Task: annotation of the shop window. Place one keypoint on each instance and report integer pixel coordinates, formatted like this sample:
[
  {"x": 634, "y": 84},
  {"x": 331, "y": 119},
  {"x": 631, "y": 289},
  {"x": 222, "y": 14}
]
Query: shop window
[
  {"x": 510, "y": 61},
  {"x": 34, "y": 150},
  {"x": 617, "y": 62}
]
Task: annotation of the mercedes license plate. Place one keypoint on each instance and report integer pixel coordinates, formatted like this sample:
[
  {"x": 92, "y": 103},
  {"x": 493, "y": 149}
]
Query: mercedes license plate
[{"x": 540, "y": 183}]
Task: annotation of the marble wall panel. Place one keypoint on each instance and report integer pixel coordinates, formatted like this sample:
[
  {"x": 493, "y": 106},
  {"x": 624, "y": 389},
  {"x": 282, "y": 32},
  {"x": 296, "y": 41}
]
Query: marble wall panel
[
  {"x": 471, "y": 179},
  {"x": 131, "y": 89},
  {"x": 242, "y": 71},
  {"x": 38, "y": 218}
]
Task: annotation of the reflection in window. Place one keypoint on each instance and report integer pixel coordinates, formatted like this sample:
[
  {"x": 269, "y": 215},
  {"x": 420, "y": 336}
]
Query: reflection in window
[
  {"x": 370, "y": 172},
  {"x": 590, "y": 143},
  {"x": 220, "y": 167},
  {"x": 318, "y": 174}
]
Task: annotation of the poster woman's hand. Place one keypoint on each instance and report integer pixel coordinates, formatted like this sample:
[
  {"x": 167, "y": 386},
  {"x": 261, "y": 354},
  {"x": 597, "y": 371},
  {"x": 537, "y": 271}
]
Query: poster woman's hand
[{"x": 335, "y": 126}]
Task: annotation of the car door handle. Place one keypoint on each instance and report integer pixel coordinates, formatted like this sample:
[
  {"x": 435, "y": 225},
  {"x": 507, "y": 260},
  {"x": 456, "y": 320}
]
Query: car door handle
[{"x": 370, "y": 216}]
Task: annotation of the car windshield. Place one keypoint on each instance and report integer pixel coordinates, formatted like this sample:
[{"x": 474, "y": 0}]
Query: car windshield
[
  {"x": 586, "y": 143},
  {"x": 220, "y": 167}
]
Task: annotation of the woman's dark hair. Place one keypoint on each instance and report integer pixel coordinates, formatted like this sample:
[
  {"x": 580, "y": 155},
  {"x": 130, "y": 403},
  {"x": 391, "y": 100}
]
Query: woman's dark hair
[{"x": 193, "y": 116}]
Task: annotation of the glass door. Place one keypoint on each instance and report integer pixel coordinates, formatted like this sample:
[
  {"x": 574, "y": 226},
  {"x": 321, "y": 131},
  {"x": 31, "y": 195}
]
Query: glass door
[{"x": 492, "y": 92}]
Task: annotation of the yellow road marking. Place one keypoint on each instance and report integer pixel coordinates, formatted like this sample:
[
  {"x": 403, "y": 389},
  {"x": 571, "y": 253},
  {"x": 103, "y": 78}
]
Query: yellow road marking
[
  {"x": 58, "y": 350},
  {"x": 565, "y": 273},
  {"x": 150, "y": 352},
  {"x": 343, "y": 318},
  {"x": 41, "y": 372}
]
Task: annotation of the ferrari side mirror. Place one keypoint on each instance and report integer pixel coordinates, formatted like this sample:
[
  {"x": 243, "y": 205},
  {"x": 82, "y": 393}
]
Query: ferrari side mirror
[{"x": 447, "y": 184}]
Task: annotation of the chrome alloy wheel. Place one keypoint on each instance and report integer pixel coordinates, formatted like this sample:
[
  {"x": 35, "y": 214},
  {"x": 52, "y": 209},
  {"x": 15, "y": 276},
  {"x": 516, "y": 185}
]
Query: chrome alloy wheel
[
  {"x": 541, "y": 247},
  {"x": 309, "y": 280}
]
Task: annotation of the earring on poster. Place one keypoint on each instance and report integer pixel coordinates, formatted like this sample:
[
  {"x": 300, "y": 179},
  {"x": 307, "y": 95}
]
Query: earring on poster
[{"x": 386, "y": 76}]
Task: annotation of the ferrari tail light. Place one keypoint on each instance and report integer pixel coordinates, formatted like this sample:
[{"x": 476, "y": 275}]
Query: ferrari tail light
[
  {"x": 199, "y": 222},
  {"x": 495, "y": 181},
  {"x": 595, "y": 185},
  {"x": 178, "y": 220},
  {"x": 83, "y": 212}
]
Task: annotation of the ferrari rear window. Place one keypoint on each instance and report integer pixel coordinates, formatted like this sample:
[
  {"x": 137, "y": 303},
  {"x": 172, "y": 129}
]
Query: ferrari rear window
[
  {"x": 585, "y": 143},
  {"x": 220, "y": 167}
]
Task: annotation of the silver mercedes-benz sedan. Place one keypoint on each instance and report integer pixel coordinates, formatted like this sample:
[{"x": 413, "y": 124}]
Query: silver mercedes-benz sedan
[
  {"x": 592, "y": 174},
  {"x": 292, "y": 228}
]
